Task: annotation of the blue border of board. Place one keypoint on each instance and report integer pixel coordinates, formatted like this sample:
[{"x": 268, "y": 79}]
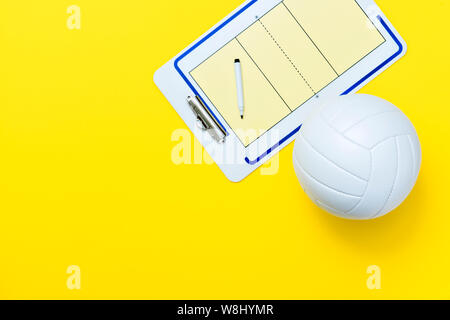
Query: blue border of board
[{"x": 290, "y": 135}]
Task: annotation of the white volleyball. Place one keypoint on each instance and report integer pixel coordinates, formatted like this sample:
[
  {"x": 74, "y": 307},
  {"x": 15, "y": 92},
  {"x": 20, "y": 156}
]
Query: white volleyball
[{"x": 357, "y": 157}]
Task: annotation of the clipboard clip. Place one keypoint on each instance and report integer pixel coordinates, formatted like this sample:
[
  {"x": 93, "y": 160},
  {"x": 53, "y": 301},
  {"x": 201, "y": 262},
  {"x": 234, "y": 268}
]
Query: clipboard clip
[{"x": 205, "y": 120}]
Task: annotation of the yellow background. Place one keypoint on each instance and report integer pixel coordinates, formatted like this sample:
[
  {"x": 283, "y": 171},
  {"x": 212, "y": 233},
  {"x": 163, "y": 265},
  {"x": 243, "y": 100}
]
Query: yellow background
[{"x": 86, "y": 176}]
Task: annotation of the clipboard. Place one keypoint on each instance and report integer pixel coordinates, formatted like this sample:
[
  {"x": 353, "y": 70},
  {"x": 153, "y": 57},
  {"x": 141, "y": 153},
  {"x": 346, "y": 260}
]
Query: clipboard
[{"x": 295, "y": 54}]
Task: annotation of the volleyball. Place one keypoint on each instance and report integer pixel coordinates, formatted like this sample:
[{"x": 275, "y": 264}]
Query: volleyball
[{"x": 357, "y": 157}]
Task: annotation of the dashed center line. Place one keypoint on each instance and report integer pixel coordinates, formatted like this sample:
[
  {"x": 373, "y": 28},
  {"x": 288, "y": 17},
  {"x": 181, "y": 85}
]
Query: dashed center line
[{"x": 286, "y": 55}]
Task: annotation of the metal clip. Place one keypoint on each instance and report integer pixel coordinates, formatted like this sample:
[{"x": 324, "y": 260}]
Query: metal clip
[{"x": 205, "y": 120}]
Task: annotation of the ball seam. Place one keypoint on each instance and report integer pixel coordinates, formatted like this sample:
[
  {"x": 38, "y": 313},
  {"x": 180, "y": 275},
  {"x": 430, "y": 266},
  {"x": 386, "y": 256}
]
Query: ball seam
[
  {"x": 325, "y": 185},
  {"x": 397, "y": 148},
  {"x": 332, "y": 162}
]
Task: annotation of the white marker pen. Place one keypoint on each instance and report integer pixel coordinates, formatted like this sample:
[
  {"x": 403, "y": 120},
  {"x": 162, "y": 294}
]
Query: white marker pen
[{"x": 240, "y": 90}]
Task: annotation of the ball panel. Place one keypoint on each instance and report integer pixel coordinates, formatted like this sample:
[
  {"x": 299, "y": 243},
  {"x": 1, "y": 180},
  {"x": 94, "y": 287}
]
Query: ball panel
[
  {"x": 405, "y": 179},
  {"x": 375, "y": 130},
  {"x": 417, "y": 152},
  {"x": 325, "y": 171},
  {"x": 330, "y": 110},
  {"x": 332, "y": 145},
  {"x": 381, "y": 182},
  {"x": 352, "y": 112},
  {"x": 339, "y": 201}
]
